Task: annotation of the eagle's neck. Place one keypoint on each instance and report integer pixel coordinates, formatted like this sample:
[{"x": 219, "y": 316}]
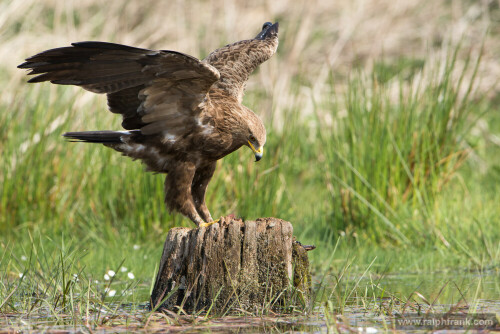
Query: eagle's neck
[{"x": 230, "y": 120}]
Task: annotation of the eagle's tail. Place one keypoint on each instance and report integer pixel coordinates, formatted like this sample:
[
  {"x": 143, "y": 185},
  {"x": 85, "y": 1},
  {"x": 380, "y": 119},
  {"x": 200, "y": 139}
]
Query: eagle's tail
[{"x": 102, "y": 137}]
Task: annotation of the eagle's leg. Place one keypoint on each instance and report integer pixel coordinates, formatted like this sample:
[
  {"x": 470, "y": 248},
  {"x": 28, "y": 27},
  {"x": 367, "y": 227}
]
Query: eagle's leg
[
  {"x": 178, "y": 191},
  {"x": 201, "y": 178}
]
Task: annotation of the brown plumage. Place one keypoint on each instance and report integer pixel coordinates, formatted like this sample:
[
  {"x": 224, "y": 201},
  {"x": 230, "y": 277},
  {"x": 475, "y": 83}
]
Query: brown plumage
[{"x": 182, "y": 114}]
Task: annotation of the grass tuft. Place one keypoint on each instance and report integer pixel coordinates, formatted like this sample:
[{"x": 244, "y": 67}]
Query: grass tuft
[{"x": 392, "y": 147}]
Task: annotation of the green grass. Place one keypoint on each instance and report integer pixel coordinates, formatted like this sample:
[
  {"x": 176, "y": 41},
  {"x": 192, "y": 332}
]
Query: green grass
[
  {"x": 388, "y": 158},
  {"x": 378, "y": 177}
]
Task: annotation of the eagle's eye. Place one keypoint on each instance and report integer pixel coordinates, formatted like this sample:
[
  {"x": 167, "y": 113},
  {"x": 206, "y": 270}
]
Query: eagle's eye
[{"x": 252, "y": 138}]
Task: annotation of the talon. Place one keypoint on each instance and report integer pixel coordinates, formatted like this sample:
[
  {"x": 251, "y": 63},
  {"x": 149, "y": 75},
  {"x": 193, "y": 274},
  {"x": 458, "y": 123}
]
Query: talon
[{"x": 208, "y": 224}]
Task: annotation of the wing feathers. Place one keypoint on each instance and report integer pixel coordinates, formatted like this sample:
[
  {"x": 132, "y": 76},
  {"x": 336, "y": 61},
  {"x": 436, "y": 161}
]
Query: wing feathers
[
  {"x": 237, "y": 61},
  {"x": 145, "y": 86},
  {"x": 90, "y": 68},
  {"x": 155, "y": 91},
  {"x": 109, "y": 46},
  {"x": 170, "y": 115},
  {"x": 125, "y": 101}
]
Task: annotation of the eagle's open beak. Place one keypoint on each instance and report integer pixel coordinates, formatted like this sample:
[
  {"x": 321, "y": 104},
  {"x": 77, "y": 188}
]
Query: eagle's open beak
[{"x": 258, "y": 152}]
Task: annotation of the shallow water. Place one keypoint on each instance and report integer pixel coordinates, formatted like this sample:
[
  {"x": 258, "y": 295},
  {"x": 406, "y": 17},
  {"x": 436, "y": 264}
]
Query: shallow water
[
  {"x": 377, "y": 300},
  {"x": 486, "y": 284},
  {"x": 370, "y": 308}
]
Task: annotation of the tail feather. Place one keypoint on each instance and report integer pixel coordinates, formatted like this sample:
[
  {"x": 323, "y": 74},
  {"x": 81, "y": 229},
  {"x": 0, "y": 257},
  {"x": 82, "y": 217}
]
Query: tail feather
[{"x": 103, "y": 137}]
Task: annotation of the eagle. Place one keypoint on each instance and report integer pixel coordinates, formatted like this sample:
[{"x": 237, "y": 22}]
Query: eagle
[{"x": 181, "y": 114}]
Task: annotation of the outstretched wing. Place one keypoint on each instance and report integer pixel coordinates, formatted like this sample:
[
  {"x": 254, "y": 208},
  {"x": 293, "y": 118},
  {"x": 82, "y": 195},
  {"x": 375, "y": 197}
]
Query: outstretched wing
[
  {"x": 155, "y": 91},
  {"x": 235, "y": 62}
]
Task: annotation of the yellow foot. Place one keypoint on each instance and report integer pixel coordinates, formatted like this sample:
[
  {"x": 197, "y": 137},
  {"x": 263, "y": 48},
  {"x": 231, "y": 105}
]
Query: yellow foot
[{"x": 208, "y": 224}]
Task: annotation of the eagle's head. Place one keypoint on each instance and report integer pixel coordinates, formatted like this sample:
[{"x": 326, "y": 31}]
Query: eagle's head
[{"x": 256, "y": 135}]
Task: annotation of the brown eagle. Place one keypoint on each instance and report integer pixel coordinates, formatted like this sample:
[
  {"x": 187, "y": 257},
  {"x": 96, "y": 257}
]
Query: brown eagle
[{"x": 182, "y": 114}]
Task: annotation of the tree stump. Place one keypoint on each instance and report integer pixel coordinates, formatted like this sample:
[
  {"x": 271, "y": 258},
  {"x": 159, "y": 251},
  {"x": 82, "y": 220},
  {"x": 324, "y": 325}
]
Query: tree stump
[{"x": 245, "y": 265}]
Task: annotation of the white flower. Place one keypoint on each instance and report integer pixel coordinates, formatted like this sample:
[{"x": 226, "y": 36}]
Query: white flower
[
  {"x": 21, "y": 275},
  {"x": 131, "y": 275},
  {"x": 106, "y": 277},
  {"x": 123, "y": 269},
  {"x": 111, "y": 273},
  {"x": 111, "y": 293},
  {"x": 23, "y": 258},
  {"x": 136, "y": 247}
]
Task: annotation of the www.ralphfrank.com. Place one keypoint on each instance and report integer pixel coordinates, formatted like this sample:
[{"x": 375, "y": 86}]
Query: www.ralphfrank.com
[{"x": 443, "y": 320}]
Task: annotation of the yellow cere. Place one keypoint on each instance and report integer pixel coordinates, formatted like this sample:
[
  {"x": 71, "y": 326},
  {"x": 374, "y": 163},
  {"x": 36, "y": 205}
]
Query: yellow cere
[{"x": 260, "y": 150}]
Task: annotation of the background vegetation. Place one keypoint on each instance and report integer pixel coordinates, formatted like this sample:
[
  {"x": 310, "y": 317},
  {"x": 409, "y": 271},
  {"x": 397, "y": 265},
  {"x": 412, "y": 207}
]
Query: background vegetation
[{"x": 383, "y": 144}]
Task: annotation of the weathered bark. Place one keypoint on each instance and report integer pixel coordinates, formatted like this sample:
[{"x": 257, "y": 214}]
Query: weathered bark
[{"x": 238, "y": 264}]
